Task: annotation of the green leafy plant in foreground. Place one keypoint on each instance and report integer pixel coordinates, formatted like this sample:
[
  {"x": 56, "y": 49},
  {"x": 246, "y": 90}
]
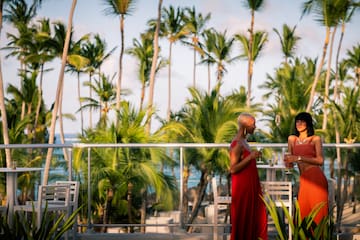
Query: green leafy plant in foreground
[
  {"x": 301, "y": 228},
  {"x": 52, "y": 227}
]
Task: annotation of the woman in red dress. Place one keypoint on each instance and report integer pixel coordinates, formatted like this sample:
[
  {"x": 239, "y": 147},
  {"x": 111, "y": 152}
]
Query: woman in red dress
[
  {"x": 248, "y": 211},
  {"x": 306, "y": 150}
]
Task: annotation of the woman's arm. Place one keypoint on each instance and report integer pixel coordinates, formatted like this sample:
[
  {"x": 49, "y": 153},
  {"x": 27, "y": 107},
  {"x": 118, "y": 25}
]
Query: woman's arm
[{"x": 237, "y": 162}]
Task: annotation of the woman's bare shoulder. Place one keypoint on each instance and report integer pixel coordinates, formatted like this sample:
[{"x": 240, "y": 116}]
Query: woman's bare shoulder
[
  {"x": 292, "y": 138},
  {"x": 316, "y": 138}
]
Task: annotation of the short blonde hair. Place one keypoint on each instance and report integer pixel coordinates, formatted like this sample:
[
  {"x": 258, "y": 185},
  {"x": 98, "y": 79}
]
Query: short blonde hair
[{"x": 243, "y": 117}]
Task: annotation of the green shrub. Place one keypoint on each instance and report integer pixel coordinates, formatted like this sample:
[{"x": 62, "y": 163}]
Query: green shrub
[
  {"x": 301, "y": 228},
  {"x": 52, "y": 227}
]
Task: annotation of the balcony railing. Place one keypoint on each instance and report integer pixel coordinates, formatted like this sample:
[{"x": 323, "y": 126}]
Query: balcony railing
[{"x": 181, "y": 147}]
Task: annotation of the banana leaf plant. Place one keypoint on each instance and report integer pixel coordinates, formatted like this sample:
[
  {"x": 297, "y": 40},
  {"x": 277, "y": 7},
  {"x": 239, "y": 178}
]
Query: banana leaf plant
[{"x": 301, "y": 228}]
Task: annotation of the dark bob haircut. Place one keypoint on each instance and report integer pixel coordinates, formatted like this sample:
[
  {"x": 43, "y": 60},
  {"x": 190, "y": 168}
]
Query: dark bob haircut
[{"x": 306, "y": 117}]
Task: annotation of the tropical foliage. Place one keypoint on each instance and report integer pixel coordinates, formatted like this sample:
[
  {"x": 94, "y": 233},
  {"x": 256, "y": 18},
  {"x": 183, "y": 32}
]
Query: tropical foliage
[{"x": 129, "y": 183}]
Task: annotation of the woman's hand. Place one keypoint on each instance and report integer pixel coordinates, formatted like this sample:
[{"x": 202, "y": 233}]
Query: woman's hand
[{"x": 255, "y": 154}]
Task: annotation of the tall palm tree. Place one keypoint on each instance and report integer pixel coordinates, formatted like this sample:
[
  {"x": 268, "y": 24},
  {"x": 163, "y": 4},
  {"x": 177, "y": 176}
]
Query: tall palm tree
[
  {"x": 4, "y": 121},
  {"x": 154, "y": 64},
  {"x": 95, "y": 51},
  {"x": 328, "y": 14},
  {"x": 195, "y": 23},
  {"x": 348, "y": 113},
  {"x": 173, "y": 28},
  {"x": 220, "y": 52},
  {"x": 58, "y": 93},
  {"x": 122, "y": 175},
  {"x": 19, "y": 14},
  {"x": 206, "y": 45},
  {"x": 289, "y": 86},
  {"x": 288, "y": 40},
  {"x": 353, "y": 62},
  {"x": 120, "y": 8},
  {"x": 143, "y": 50},
  {"x": 259, "y": 40},
  {"x": 253, "y": 6},
  {"x": 77, "y": 64},
  {"x": 207, "y": 118},
  {"x": 105, "y": 93}
]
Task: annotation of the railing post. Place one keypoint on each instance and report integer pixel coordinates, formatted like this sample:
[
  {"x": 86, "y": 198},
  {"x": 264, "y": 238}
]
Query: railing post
[
  {"x": 89, "y": 192},
  {"x": 70, "y": 164},
  {"x": 181, "y": 184}
]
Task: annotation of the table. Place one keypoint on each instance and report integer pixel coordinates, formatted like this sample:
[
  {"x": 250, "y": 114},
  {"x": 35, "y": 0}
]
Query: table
[
  {"x": 271, "y": 170},
  {"x": 11, "y": 186}
]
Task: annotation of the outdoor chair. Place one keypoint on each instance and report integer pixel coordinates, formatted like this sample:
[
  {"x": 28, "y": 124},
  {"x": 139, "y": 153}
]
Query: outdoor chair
[
  {"x": 281, "y": 194},
  {"x": 74, "y": 199},
  {"x": 220, "y": 203},
  {"x": 56, "y": 198}
]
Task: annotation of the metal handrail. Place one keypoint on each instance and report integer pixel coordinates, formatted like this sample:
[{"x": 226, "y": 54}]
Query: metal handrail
[{"x": 180, "y": 146}]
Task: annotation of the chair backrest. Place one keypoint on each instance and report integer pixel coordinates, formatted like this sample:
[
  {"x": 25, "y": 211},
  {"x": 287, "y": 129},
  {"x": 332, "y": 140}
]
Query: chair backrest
[
  {"x": 219, "y": 199},
  {"x": 281, "y": 194},
  {"x": 48, "y": 193},
  {"x": 279, "y": 191},
  {"x": 74, "y": 191}
]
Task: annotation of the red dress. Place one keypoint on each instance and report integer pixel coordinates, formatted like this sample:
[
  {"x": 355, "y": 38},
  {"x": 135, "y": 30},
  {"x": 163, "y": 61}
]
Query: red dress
[
  {"x": 248, "y": 211},
  {"x": 313, "y": 185}
]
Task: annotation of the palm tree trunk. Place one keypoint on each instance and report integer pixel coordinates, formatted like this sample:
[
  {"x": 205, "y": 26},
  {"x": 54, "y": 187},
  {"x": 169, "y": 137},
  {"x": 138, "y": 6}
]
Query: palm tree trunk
[
  {"x": 118, "y": 88},
  {"x": 250, "y": 58},
  {"x": 201, "y": 195},
  {"x": 38, "y": 107},
  {"x": 318, "y": 71},
  {"x": 143, "y": 210},
  {"x": 80, "y": 104},
  {"x": 194, "y": 69},
  {"x": 209, "y": 78},
  {"x": 129, "y": 200},
  {"x": 4, "y": 120},
  {"x": 58, "y": 93},
  {"x": 153, "y": 66},
  {"x": 61, "y": 126},
  {"x": 327, "y": 81},
  {"x": 184, "y": 216},
  {"x": 2, "y": 103},
  {"x": 169, "y": 84}
]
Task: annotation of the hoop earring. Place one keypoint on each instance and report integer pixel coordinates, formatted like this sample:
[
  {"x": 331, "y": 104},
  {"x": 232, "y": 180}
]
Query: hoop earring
[{"x": 245, "y": 132}]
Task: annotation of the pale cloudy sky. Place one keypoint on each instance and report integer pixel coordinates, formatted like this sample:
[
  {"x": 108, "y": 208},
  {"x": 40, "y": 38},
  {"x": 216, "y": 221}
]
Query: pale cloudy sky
[{"x": 229, "y": 15}]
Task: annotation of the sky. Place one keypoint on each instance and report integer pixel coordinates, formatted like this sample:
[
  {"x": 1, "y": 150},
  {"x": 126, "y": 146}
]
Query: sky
[{"x": 226, "y": 15}]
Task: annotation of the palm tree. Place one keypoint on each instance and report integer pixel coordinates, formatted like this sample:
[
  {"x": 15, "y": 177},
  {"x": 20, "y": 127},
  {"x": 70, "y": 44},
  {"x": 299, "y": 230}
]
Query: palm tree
[
  {"x": 105, "y": 92},
  {"x": 154, "y": 64},
  {"x": 328, "y": 14},
  {"x": 173, "y": 28},
  {"x": 119, "y": 8},
  {"x": 259, "y": 40},
  {"x": 220, "y": 52},
  {"x": 207, "y": 118},
  {"x": 253, "y": 6},
  {"x": 143, "y": 51},
  {"x": 353, "y": 62},
  {"x": 206, "y": 46},
  {"x": 195, "y": 23},
  {"x": 347, "y": 113},
  {"x": 345, "y": 16},
  {"x": 77, "y": 64},
  {"x": 58, "y": 94},
  {"x": 288, "y": 40},
  {"x": 95, "y": 52},
  {"x": 123, "y": 175},
  {"x": 20, "y": 15},
  {"x": 289, "y": 88}
]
